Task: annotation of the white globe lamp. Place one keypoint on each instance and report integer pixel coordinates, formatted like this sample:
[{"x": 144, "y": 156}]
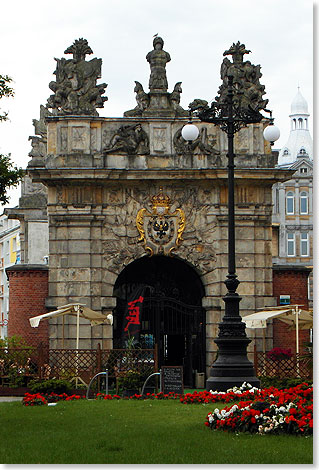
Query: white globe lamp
[
  {"x": 190, "y": 132},
  {"x": 271, "y": 133}
]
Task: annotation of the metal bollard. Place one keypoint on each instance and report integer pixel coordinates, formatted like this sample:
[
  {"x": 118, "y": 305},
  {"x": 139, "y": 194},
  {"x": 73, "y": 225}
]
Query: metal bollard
[{"x": 106, "y": 373}]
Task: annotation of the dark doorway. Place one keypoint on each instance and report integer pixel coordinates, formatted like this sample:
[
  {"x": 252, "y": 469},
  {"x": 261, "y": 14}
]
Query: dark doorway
[
  {"x": 172, "y": 318},
  {"x": 175, "y": 349}
]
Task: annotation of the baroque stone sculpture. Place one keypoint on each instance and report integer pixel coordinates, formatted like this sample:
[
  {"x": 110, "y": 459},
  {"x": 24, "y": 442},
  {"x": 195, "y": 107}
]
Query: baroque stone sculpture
[
  {"x": 75, "y": 89},
  {"x": 248, "y": 91},
  {"x": 158, "y": 102},
  {"x": 39, "y": 140},
  {"x": 158, "y": 59}
]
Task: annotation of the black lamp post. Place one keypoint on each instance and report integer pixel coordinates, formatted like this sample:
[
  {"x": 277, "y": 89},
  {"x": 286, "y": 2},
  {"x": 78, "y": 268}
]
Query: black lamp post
[{"x": 232, "y": 366}]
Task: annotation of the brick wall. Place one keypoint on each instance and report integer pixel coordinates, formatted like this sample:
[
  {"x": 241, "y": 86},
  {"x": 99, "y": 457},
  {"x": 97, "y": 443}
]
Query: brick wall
[
  {"x": 294, "y": 282},
  {"x": 28, "y": 289}
]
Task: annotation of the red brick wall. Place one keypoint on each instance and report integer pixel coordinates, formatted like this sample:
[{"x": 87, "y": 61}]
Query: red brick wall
[
  {"x": 294, "y": 283},
  {"x": 28, "y": 289}
]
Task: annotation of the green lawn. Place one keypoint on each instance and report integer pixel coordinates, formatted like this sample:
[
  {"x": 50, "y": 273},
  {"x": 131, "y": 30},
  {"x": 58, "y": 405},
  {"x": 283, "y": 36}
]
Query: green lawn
[{"x": 134, "y": 432}]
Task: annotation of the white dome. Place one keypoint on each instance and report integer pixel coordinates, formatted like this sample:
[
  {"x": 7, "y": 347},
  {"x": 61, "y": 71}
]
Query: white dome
[
  {"x": 299, "y": 105},
  {"x": 299, "y": 144}
]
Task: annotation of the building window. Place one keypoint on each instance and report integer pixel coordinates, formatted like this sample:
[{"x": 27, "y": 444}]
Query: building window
[
  {"x": 284, "y": 299},
  {"x": 303, "y": 170},
  {"x": 302, "y": 153},
  {"x": 291, "y": 244},
  {"x": 304, "y": 244},
  {"x": 290, "y": 203},
  {"x": 303, "y": 202}
]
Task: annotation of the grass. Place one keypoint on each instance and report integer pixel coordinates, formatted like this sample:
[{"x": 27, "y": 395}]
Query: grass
[{"x": 134, "y": 432}]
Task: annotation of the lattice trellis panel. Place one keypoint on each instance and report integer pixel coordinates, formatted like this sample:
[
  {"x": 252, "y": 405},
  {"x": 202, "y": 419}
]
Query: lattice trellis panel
[{"x": 296, "y": 366}]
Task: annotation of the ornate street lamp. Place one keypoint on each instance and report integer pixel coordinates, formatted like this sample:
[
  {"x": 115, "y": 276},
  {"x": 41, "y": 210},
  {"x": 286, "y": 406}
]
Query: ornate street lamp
[{"x": 239, "y": 103}]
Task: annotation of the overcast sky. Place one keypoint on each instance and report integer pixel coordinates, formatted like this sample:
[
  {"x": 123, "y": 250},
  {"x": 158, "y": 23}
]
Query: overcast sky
[{"x": 279, "y": 34}]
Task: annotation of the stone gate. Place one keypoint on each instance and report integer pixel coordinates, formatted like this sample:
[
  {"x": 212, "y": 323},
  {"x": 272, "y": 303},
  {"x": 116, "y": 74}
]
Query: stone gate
[{"x": 121, "y": 189}]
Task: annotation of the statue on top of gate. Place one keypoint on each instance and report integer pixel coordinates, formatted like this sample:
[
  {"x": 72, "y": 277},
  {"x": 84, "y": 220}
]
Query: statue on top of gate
[
  {"x": 158, "y": 102},
  {"x": 75, "y": 89},
  {"x": 248, "y": 91}
]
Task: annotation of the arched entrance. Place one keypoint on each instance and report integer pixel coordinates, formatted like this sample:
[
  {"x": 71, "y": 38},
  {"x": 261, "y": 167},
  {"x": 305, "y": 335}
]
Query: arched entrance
[{"x": 172, "y": 317}]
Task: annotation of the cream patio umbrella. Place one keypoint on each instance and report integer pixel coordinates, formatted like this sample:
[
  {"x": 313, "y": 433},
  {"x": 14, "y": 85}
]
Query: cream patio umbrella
[
  {"x": 294, "y": 316},
  {"x": 78, "y": 310}
]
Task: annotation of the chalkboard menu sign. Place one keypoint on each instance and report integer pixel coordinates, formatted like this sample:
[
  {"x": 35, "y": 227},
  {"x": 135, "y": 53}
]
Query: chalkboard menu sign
[{"x": 172, "y": 379}]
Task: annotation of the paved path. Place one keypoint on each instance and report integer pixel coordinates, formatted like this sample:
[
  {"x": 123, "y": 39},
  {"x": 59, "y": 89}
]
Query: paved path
[{"x": 2, "y": 399}]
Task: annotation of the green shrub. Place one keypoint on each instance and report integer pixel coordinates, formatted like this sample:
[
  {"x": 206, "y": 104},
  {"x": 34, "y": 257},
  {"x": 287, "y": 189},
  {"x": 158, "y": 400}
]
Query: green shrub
[
  {"x": 14, "y": 351},
  {"x": 52, "y": 385},
  {"x": 16, "y": 380},
  {"x": 280, "y": 383},
  {"x": 132, "y": 380}
]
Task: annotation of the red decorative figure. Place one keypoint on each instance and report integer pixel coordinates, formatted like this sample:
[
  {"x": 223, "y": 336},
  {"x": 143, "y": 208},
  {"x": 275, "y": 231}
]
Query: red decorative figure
[{"x": 134, "y": 313}]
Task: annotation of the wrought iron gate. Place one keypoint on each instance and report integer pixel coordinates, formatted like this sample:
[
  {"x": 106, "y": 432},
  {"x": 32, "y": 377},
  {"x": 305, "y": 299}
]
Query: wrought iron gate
[{"x": 178, "y": 330}]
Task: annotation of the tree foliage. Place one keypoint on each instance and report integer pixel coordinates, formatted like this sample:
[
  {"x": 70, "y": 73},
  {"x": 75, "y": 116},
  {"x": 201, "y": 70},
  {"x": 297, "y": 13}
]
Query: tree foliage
[
  {"x": 5, "y": 92},
  {"x": 10, "y": 174},
  {"x": 10, "y": 177}
]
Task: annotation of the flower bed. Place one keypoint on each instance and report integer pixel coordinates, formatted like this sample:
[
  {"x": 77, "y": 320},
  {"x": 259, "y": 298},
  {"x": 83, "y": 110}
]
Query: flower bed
[
  {"x": 148, "y": 396},
  {"x": 258, "y": 411},
  {"x": 34, "y": 399},
  {"x": 267, "y": 411}
]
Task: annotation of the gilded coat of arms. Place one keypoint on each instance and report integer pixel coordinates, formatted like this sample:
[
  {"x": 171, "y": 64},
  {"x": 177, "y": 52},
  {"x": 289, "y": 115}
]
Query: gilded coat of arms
[{"x": 160, "y": 230}]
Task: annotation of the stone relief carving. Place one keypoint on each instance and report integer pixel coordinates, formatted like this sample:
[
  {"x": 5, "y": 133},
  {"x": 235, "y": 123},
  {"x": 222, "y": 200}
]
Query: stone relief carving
[
  {"x": 196, "y": 238},
  {"x": 75, "y": 89},
  {"x": 160, "y": 229},
  {"x": 78, "y": 137},
  {"x": 28, "y": 187},
  {"x": 130, "y": 139},
  {"x": 202, "y": 145},
  {"x": 159, "y": 134},
  {"x": 118, "y": 253}
]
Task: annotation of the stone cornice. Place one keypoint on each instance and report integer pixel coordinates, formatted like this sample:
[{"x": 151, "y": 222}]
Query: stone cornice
[{"x": 54, "y": 177}]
